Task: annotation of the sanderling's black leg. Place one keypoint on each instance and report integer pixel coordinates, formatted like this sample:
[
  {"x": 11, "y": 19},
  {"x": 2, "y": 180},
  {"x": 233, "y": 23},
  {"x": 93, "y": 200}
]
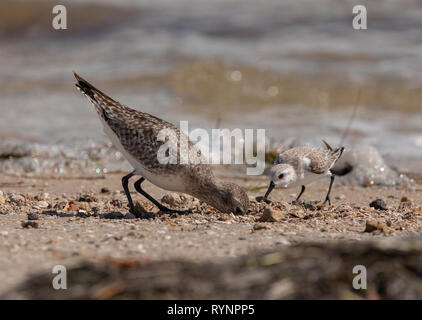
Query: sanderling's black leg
[
  {"x": 125, "y": 182},
  {"x": 162, "y": 208},
  {"x": 300, "y": 194},
  {"x": 327, "y": 198}
]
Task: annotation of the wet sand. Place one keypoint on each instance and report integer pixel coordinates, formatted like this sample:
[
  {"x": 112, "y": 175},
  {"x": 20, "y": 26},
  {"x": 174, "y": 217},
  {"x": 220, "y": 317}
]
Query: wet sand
[{"x": 74, "y": 222}]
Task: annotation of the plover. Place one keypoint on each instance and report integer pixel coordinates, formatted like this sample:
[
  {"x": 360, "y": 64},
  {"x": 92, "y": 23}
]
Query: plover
[
  {"x": 303, "y": 165},
  {"x": 134, "y": 133}
]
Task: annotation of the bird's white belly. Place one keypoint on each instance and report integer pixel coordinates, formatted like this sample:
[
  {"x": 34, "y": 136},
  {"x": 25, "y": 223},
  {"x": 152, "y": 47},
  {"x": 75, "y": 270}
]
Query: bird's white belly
[
  {"x": 167, "y": 182},
  {"x": 307, "y": 178}
]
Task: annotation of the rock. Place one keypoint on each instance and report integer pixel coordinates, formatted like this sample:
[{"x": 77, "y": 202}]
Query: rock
[
  {"x": 224, "y": 217},
  {"x": 172, "y": 199},
  {"x": 2, "y": 199},
  {"x": 61, "y": 205},
  {"x": 17, "y": 198},
  {"x": 271, "y": 215},
  {"x": 297, "y": 214},
  {"x": 41, "y": 205},
  {"x": 140, "y": 211},
  {"x": 87, "y": 198},
  {"x": 42, "y": 196},
  {"x": 405, "y": 203},
  {"x": 311, "y": 205},
  {"x": 116, "y": 203},
  {"x": 105, "y": 190},
  {"x": 30, "y": 224},
  {"x": 33, "y": 216},
  {"x": 372, "y": 225},
  {"x": 378, "y": 204},
  {"x": 112, "y": 215},
  {"x": 260, "y": 226},
  {"x": 363, "y": 165},
  {"x": 408, "y": 215},
  {"x": 343, "y": 208},
  {"x": 72, "y": 206}
]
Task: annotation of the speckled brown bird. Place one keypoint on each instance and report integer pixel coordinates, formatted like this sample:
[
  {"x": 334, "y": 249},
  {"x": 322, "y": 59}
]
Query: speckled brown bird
[
  {"x": 303, "y": 165},
  {"x": 136, "y": 135}
]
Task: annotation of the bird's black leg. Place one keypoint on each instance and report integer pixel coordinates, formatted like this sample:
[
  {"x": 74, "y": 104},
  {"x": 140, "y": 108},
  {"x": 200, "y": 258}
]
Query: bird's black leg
[
  {"x": 327, "y": 198},
  {"x": 300, "y": 194},
  {"x": 162, "y": 208},
  {"x": 125, "y": 182}
]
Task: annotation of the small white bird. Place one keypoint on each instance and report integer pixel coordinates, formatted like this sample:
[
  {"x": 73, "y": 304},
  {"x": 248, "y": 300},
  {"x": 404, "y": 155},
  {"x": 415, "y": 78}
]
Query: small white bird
[{"x": 303, "y": 165}]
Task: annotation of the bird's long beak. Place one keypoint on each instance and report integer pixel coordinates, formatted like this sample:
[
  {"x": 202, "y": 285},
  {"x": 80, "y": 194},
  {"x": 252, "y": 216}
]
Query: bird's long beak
[{"x": 270, "y": 188}]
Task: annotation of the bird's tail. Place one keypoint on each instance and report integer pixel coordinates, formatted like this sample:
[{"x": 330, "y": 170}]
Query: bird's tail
[
  {"x": 335, "y": 152},
  {"x": 338, "y": 152}
]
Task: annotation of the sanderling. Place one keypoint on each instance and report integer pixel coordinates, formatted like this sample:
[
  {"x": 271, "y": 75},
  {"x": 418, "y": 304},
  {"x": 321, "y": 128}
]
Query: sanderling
[
  {"x": 134, "y": 133},
  {"x": 303, "y": 165}
]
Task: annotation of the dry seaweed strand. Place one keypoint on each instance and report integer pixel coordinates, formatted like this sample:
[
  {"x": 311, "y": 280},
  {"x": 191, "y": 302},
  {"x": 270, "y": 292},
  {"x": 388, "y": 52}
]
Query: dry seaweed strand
[{"x": 352, "y": 118}]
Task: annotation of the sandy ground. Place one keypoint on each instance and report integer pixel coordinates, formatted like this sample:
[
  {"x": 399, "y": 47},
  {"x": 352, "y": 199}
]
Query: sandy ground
[{"x": 74, "y": 221}]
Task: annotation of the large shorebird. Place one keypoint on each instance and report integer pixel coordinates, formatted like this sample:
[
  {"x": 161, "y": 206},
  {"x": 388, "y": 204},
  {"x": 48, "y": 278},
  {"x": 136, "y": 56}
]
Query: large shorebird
[
  {"x": 135, "y": 134},
  {"x": 303, "y": 165}
]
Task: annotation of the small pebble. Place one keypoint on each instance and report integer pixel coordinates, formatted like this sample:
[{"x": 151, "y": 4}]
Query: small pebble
[
  {"x": 272, "y": 215},
  {"x": 87, "y": 198},
  {"x": 33, "y": 216},
  {"x": 172, "y": 199},
  {"x": 116, "y": 203},
  {"x": 343, "y": 208},
  {"x": 41, "y": 205},
  {"x": 16, "y": 198},
  {"x": 42, "y": 196},
  {"x": 105, "y": 190},
  {"x": 260, "y": 226},
  {"x": 378, "y": 204},
  {"x": 406, "y": 203},
  {"x": 29, "y": 224},
  {"x": 372, "y": 225},
  {"x": 61, "y": 205}
]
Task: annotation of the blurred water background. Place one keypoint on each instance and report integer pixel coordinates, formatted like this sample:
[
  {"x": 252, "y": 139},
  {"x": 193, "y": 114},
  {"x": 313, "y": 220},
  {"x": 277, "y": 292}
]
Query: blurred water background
[{"x": 292, "y": 67}]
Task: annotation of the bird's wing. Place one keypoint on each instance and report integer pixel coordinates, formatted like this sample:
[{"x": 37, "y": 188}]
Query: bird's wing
[
  {"x": 138, "y": 138},
  {"x": 317, "y": 162}
]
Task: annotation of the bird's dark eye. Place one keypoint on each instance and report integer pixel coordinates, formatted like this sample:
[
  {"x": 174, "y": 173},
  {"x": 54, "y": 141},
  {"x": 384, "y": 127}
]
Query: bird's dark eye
[
  {"x": 238, "y": 210},
  {"x": 281, "y": 176}
]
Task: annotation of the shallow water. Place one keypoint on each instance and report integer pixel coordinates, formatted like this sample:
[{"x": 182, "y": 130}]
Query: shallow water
[{"x": 222, "y": 61}]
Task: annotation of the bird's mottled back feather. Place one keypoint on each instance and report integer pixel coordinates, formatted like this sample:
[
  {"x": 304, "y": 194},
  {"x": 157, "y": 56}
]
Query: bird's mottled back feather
[
  {"x": 320, "y": 160},
  {"x": 138, "y": 131}
]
